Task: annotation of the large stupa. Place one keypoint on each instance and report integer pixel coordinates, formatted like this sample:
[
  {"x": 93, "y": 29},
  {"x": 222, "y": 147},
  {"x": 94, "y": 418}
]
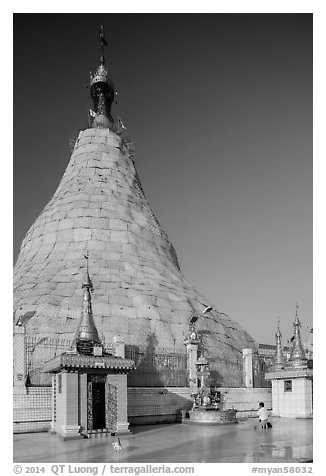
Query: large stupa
[{"x": 100, "y": 210}]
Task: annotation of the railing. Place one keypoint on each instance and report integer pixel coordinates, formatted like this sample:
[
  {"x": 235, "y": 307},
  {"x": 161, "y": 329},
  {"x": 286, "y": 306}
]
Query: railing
[
  {"x": 39, "y": 350},
  {"x": 154, "y": 367},
  {"x": 261, "y": 366},
  {"x": 157, "y": 367}
]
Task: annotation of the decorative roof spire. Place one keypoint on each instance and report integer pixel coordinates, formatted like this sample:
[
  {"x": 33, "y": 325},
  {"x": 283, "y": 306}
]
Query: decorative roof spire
[
  {"x": 87, "y": 280},
  {"x": 102, "y": 90},
  {"x": 87, "y": 335},
  {"x": 279, "y": 360},
  {"x": 297, "y": 357}
]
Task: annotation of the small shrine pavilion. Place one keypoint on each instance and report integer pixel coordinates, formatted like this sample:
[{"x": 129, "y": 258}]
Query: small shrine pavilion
[
  {"x": 291, "y": 380},
  {"x": 89, "y": 385}
]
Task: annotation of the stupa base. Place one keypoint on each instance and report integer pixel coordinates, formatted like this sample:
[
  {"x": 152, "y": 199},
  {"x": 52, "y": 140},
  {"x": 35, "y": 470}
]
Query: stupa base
[{"x": 215, "y": 417}]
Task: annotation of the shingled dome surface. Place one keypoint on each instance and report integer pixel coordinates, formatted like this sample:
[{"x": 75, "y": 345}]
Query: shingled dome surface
[
  {"x": 99, "y": 211},
  {"x": 139, "y": 290}
]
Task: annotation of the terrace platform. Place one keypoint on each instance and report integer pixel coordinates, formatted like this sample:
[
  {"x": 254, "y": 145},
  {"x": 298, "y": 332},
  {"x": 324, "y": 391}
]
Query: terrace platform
[{"x": 290, "y": 440}]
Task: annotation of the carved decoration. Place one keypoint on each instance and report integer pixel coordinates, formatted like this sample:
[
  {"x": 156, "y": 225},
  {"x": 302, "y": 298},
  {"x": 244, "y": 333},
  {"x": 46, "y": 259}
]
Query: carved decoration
[
  {"x": 97, "y": 378},
  {"x": 89, "y": 406},
  {"x": 111, "y": 408}
]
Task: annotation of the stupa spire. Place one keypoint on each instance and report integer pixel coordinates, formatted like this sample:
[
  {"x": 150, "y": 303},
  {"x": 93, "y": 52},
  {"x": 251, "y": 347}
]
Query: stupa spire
[
  {"x": 102, "y": 90},
  {"x": 297, "y": 357},
  {"x": 141, "y": 293},
  {"x": 103, "y": 43},
  {"x": 87, "y": 335},
  {"x": 279, "y": 360}
]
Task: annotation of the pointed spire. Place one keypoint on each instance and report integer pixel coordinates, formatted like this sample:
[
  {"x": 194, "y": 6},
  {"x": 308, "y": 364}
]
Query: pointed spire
[
  {"x": 87, "y": 280},
  {"x": 87, "y": 335},
  {"x": 103, "y": 43},
  {"x": 102, "y": 90},
  {"x": 279, "y": 360},
  {"x": 297, "y": 357}
]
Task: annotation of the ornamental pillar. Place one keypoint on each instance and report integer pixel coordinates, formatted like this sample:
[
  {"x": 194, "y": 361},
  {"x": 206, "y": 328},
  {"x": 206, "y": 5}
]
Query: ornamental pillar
[
  {"x": 191, "y": 344},
  {"x": 19, "y": 359},
  {"x": 247, "y": 368}
]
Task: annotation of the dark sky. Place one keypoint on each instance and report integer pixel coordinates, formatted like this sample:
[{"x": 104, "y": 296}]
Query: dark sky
[{"x": 219, "y": 107}]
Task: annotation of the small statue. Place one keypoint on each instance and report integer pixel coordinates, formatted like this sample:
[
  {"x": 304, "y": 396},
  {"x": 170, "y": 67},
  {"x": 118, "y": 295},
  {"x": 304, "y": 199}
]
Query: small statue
[
  {"x": 192, "y": 332},
  {"x": 217, "y": 397},
  {"x": 207, "y": 401}
]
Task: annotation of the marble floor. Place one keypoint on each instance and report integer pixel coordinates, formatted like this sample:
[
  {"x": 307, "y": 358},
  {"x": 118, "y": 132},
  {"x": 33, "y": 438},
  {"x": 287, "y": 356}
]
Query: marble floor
[{"x": 290, "y": 440}]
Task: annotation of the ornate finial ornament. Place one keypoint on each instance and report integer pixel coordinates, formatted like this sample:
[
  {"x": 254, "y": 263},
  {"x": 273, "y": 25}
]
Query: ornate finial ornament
[
  {"x": 279, "y": 360},
  {"x": 87, "y": 280},
  {"x": 297, "y": 357},
  {"x": 87, "y": 335},
  {"x": 103, "y": 43},
  {"x": 278, "y": 332},
  {"x": 102, "y": 90}
]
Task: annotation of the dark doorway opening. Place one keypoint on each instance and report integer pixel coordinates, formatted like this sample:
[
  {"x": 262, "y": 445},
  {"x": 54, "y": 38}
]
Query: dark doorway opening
[{"x": 98, "y": 405}]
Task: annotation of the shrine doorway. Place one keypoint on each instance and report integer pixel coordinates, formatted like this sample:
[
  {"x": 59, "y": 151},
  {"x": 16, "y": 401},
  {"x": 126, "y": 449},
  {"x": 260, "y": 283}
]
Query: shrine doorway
[
  {"x": 98, "y": 405},
  {"x": 96, "y": 402}
]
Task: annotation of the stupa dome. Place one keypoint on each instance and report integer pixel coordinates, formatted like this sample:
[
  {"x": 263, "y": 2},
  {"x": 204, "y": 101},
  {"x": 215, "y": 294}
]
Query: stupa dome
[{"x": 140, "y": 293}]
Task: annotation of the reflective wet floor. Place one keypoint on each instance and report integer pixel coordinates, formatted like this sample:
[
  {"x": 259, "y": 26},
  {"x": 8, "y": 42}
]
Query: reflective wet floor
[{"x": 290, "y": 440}]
